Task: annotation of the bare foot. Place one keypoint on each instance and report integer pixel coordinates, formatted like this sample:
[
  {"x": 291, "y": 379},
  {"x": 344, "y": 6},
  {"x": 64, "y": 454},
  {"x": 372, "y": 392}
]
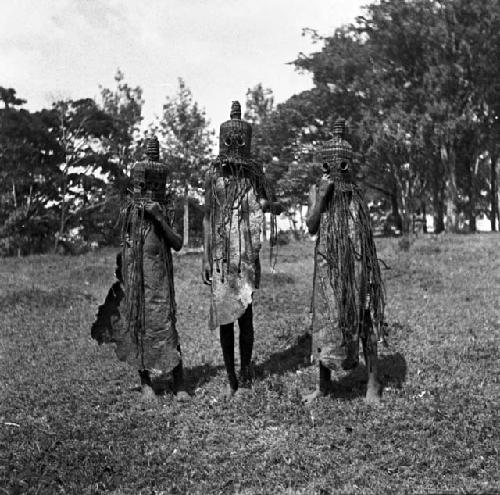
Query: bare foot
[
  {"x": 310, "y": 398},
  {"x": 182, "y": 396},
  {"x": 147, "y": 393},
  {"x": 373, "y": 393}
]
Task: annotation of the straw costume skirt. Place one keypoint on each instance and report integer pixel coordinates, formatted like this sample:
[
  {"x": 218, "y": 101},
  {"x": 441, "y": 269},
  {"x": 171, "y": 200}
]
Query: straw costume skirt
[
  {"x": 152, "y": 343},
  {"x": 347, "y": 289},
  {"x": 236, "y": 219}
]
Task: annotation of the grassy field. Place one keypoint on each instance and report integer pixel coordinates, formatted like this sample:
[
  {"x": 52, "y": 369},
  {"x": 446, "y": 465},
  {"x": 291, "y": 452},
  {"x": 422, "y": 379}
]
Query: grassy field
[{"x": 71, "y": 420}]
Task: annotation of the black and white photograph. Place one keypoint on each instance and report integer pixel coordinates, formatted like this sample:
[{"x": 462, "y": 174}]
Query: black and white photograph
[{"x": 249, "y": 247}]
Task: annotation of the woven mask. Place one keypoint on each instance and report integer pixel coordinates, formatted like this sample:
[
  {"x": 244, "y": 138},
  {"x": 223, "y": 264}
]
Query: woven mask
[
  {"x": 336, "y": 154},
  {"x": 149, "y": 178},
  {"x": 235, "y": 137}
]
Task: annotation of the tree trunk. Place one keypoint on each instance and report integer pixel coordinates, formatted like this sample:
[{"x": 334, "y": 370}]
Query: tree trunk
[
  {"x": 14, "y": 194},
  {"x": 498, "y": 193},
  {"x": 396, "y": 215},
  {"x": 302, "y": 220},
  {"x": 451, "y": 224},
  {"x": 471, "y": 205},
  {"x": 448, "y": 158},
  {"x": 438, "y": 187},
  {"x": 439, "y": 219},
  {"x": 404, "y": 203},
  {"x": 186, "y": 216},
  {"x": 472, "y": 220},
  {"x": 442, "y": 208},
  {"x": 406, "y": 222},
  {"x": 264, "y": 227},
  {"x": 62, "y": 220},
  {"x": 493, "y": 191},
  {"x": 424, "y": 218},
  {"x": 438, "y": 203}
]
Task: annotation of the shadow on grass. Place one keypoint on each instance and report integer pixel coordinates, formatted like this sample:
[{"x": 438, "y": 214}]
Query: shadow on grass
[
  {"x": 199, "y": 375},
  {"x": 281, "y": 362},
  {"x": 391, "y": 369},
  {"x": 278, "y": 363},
  {"x": 193, "y": 378},
  {"x": 291, "y": 359}
]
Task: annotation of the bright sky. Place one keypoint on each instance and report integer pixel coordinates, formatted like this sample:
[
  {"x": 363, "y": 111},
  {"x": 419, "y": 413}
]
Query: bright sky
[{"x": 65, "y": 48}]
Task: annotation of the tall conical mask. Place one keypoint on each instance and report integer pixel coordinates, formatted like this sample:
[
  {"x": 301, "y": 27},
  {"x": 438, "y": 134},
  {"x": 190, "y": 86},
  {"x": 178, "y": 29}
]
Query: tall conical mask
[
  {"x": 235, "y": 137},
  {"x": 336, "y": 154},
  {"x": 153, "y": 149},
  {"x": 149, "y": 177}
]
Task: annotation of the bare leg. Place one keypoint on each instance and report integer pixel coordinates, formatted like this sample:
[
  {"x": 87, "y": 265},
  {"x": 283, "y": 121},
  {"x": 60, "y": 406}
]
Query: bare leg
[
  {"x": 245, "y": 322},
  {"x": 227, "y": 344},
  {"x": 324, "y": 387},
  {"x": 373, "y": 387}
]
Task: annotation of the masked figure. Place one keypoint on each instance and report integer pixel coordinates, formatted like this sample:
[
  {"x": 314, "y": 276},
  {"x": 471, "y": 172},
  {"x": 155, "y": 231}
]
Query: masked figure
[
  {"x": 348, "y": 297},
  {"x": 236, "y": 197},
  {"x": 139, "y": 314}
]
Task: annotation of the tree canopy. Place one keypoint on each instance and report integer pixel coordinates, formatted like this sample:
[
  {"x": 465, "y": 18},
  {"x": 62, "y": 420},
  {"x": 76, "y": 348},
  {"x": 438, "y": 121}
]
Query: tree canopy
[{"x": 417, "y": 80}]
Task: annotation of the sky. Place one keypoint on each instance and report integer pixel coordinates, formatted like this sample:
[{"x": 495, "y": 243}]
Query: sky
[{"x": 52, "y": 49}]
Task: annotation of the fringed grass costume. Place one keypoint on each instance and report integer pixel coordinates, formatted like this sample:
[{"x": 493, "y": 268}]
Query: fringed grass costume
[
  {"x": 348, "y": 296},
  {"x": 234, "y": 186},
  {"x": 139, "y": 314}
]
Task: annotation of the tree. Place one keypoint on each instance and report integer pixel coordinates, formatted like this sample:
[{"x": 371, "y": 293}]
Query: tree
[
  {"x": 423, "y": 69},
  {"x": 186, "y": 138},
  {"x": 349, "y": 84},
  {"x": 29, "y": 158},
  {"x": 79, "y": 127},
  {"x": 9, "y": 98},
  {"x": 258, "y": 109},
  {"x": 64, "y": 167},
  {"x": 123, "y": 105},
  {"x": 283, "y": 142},
  {"x": 259, "y": 104}
]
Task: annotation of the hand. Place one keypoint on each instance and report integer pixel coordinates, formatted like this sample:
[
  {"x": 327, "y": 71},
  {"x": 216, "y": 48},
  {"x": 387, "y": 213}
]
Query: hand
[
  {"x": 324, "y": 185},
  {"x": 325, "y": 191},
  {"x": 206, "y": 271},
  {"x": 153, "y": 208}
]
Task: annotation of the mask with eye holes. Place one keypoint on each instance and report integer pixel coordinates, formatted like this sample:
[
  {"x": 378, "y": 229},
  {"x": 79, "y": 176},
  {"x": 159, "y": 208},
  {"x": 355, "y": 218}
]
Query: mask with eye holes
[
  {"x": 149, "y": 177},
  {"x": 337, "y": 156},
  {"x": 235, "y": 138}
]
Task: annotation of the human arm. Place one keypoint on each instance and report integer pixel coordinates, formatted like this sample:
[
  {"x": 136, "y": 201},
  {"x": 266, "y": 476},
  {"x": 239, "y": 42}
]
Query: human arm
[
  {"x": 323, "y": 193},
  {"x": 173, "y": 238}
]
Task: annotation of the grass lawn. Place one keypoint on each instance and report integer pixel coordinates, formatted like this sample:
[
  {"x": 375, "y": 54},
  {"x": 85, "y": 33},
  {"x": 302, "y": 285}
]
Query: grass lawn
[{"x": 71, "y": 420}]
